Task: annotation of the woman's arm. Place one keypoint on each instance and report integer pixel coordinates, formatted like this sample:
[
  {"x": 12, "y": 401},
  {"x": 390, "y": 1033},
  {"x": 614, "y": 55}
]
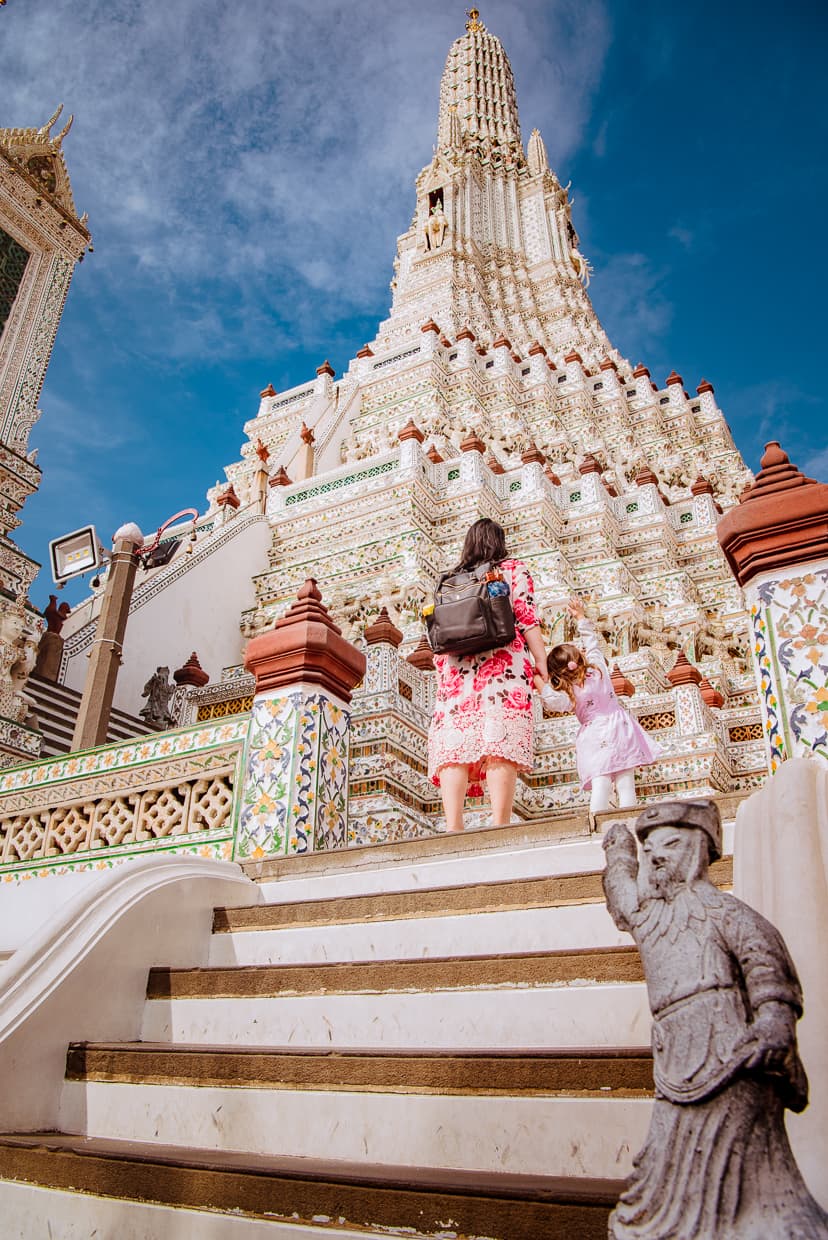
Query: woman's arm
[{"x": 534, "y": 640}]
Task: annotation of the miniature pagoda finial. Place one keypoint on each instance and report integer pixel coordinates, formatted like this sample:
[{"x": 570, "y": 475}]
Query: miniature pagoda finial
[{"x": 474, "y": 23}]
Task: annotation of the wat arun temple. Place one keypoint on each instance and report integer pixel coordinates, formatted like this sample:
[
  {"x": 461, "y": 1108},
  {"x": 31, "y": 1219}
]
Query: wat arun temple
[
  {"x": 491, "y": 389},
  {"x": 249, "y": 985}
]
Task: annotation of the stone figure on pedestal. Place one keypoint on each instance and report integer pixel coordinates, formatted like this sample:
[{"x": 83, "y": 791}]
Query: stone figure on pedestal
[
  {"x": 436, "y": 226},
  {"x": 158, "y": 690},
  {"x": 725, "y": 999}
]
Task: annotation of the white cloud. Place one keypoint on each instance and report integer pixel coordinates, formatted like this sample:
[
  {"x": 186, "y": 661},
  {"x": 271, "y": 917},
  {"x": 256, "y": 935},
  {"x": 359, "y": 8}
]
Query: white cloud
[{"x": 266, "y": 152}]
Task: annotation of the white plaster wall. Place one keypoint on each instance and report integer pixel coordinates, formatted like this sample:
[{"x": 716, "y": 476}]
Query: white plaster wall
[{"x": 198, "y": 611}]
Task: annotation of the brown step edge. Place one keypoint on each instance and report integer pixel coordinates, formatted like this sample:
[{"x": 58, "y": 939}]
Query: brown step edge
[
  {"x": 512, "y": 895},
  {"x": 408, "y": 1200},
  {"x": 552, "y": 829},
  {"x": 622, "y": 1072},
  {"x": 609, "y": 964},
  {"x": 728, "y": 803}
]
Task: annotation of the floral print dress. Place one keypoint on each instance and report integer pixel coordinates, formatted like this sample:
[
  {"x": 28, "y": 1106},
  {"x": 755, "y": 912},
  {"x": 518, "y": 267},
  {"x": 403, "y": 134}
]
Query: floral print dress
[{"x": 484, "y": 701}]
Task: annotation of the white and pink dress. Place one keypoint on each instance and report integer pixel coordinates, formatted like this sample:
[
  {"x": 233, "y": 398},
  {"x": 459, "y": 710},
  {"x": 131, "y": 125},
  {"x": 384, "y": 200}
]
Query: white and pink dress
[
  {"x": 484, "y": 701},
  {"x": 610, "y": 739}
]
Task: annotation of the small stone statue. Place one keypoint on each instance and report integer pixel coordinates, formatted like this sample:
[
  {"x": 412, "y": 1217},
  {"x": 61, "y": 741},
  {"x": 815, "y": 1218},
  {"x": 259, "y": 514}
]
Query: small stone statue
[
  {"x": 725, "y": 999},
  {"x": 436, "y": 227},
  {"x": 54, "y": 615},
  {"x": 158, "y": 690}
]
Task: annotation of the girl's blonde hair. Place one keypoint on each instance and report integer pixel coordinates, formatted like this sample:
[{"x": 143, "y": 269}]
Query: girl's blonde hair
[{"x": 560, "y": 675}]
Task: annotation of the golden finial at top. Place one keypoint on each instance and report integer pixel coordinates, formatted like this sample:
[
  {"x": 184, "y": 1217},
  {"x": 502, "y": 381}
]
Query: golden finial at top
[{"x": 474, "y": 22}]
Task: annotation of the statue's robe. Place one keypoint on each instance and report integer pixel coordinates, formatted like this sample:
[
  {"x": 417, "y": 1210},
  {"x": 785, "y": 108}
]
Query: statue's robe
[{"x": 717, "y": 1163}]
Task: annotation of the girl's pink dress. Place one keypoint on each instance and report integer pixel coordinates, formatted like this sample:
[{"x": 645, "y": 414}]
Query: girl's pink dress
[
  {"x": 484, "y": 701},
  {"x": 610, "y": 739}
]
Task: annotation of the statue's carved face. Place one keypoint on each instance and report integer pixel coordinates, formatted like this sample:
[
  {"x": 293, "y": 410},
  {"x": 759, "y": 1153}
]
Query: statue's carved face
[{"x": 673, "y": 856}]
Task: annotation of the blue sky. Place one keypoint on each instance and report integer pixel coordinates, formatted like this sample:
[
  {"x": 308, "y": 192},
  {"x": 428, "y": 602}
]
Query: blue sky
[{"x": 248, "y": 167}]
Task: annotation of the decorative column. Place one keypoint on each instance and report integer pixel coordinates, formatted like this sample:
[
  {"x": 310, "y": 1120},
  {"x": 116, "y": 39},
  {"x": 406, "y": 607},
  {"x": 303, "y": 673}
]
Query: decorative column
[
  {"x": 776, "y": 542},
  {"x": 295, "y": 796}
]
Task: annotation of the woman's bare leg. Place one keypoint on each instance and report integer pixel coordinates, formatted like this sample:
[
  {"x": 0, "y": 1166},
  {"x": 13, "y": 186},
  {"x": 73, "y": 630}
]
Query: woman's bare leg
[
  {"x": 454, "y": 780},
  {"x": 501, "y": 776}
]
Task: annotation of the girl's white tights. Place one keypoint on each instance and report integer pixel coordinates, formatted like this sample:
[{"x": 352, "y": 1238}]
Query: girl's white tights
[{"x": 602, "y": 787}]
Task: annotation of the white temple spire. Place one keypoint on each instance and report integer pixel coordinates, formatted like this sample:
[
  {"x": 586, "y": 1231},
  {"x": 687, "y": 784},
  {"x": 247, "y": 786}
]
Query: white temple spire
[{"x": 537, "y": 157}]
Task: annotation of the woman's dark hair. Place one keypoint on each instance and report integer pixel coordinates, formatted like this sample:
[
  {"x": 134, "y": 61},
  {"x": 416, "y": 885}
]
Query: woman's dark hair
[{"x": 485, "y": 540}]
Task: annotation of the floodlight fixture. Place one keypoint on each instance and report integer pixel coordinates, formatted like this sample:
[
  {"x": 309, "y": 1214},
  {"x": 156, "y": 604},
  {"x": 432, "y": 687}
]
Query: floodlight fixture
[{"x": 75, "y": 553}]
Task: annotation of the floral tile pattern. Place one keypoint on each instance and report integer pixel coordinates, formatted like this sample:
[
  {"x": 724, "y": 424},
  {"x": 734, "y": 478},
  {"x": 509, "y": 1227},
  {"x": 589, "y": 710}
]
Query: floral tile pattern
[
  {"x": 789, "y": 616},
  {"x": 295, "y": 796},
  {"x": 118, "y": 757}
]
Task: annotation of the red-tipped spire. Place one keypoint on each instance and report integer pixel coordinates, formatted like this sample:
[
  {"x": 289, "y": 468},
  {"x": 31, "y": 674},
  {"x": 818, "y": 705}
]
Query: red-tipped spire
[
  {"x": 191, "y": 673},
  {"x": 590, "y": 465},
  {"x": 781, "y": 521},
  {"x": 410, "y": 431},
  {"x": 472, "y": 443},
  {"x": 383, "y": 630},
  {"x": 326, "y": 369},
  {"x": 622, "y": 686},
  {"x": 533, "y": 455},
  {"x": 422, "y": 656},
  {"x": 683, "y": 672},
  {"x": 305, "y": 646},
  {"x": 710, "y": 694}
]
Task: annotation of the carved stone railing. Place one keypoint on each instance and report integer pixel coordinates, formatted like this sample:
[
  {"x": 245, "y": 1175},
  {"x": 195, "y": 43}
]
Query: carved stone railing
[{"x": 173, "y": 792}]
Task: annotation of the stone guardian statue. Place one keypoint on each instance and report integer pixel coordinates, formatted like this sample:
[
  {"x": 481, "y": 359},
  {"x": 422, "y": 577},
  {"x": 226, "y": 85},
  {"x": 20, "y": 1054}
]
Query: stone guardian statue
[{"x": 725, "y": 1000}]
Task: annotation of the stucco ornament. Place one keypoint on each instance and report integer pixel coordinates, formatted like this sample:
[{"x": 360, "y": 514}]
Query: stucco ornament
[{"x": 725, "y": 999}]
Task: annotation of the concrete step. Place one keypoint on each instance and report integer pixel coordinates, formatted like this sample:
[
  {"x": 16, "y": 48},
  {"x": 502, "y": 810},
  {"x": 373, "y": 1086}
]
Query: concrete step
[
  {"x": 561, "y": 1134},
  {"x": 575, "y": 1015},
  {"x": 566, "y": 912},
  {"x": 56, "y": 707},
  {"x": 526, "y": 893},
  {"x": 280, "y": 1197},
  {"x": 488, "y": 855},
  {"x": 571, "y": 927}
]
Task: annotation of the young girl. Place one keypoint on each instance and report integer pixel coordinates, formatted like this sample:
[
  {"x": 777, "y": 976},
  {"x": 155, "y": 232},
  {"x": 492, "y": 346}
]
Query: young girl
[{"x": 610, "y": 743}]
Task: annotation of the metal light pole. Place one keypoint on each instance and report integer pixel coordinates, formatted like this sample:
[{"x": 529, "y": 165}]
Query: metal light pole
[{"x": 105, "y": 656}]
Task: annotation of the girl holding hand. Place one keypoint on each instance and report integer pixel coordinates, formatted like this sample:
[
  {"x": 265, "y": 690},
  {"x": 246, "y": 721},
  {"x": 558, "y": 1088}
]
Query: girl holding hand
[{"x": 611, "y": 743}]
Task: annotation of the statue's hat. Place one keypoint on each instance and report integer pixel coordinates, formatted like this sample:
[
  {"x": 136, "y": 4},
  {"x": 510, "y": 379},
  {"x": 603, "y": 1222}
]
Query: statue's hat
[{"x": 702, "y": 813}]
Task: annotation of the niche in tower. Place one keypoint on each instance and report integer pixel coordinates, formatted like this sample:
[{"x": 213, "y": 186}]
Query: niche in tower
[{"x": 436, "y": 223}]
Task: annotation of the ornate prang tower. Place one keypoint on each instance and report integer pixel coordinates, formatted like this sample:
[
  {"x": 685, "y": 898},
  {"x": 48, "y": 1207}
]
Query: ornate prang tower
[
  {"x": 41, "y": 239},
  {"x": 491, "y": 389}
]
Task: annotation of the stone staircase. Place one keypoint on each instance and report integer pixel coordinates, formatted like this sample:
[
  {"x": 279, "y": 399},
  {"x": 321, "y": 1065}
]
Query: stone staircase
[
  {"x": 56, "y": 709},
  {"x": 444, "y": 1037}
]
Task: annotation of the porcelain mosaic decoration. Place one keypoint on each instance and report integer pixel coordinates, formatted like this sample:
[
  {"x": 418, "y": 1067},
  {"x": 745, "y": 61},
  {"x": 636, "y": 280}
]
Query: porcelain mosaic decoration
[
  {"x": 295, "y": 795},
  {"x": 175, "y": 792},
  {"x": 790, "y": 627}
]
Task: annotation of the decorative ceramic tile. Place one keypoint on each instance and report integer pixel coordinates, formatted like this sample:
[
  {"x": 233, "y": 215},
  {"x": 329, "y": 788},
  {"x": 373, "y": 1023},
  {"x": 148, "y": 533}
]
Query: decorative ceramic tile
[
  {"x": 123, "y": 755},
  {"x": 296, "y": 775},
  {"x": 789, "y": 616}
]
